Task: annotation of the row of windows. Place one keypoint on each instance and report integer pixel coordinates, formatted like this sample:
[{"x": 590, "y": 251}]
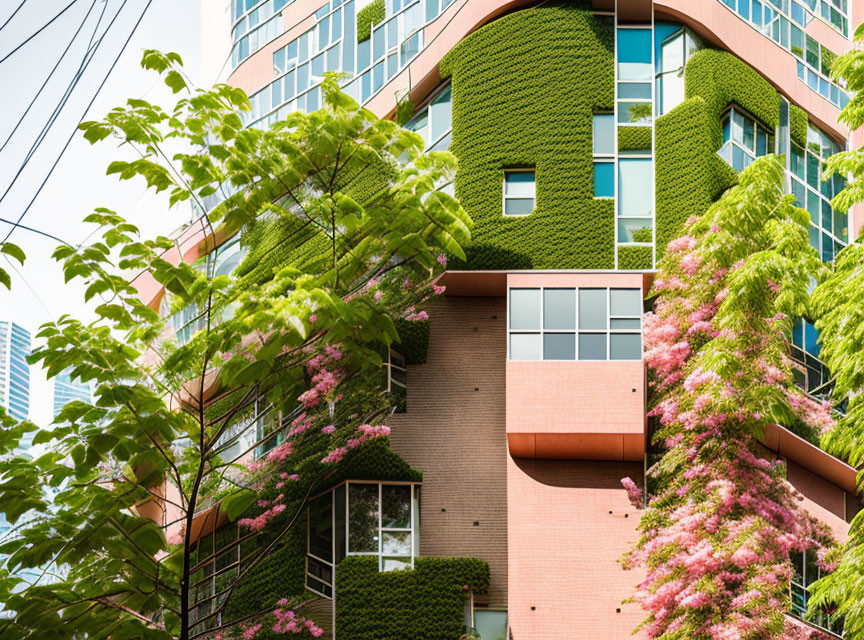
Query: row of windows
[
  {"x": 806, "y": 571},
  {"x": 434, "y": 121},
  {"x": 784, "y": 21},
  {"x": 255, "y": 39},
  {"x": 253, "y": 18},
  {"x": 574, "y": 324}
]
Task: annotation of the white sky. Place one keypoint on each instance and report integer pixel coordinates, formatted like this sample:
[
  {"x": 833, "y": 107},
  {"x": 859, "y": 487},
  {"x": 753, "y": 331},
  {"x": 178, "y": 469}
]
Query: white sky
[{"x": 78, "y": 184}]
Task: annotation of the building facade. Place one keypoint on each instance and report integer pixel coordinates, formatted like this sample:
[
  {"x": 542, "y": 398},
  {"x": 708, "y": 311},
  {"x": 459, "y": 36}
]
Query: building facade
[
  {"x": 14, "y": 370},
  {"x": 587, "y": 132},
  {"x": 66, "y": 390}
]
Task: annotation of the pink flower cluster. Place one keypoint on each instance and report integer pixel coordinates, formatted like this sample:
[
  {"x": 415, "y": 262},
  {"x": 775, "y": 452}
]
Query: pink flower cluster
[
  {"x": 288, "y": 622},
  {"x": 367, "y": 432}
]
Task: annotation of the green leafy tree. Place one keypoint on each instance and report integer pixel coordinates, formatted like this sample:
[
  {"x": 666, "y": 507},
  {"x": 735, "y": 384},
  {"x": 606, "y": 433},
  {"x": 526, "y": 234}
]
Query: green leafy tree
[
  {"x": 839, "y": 306},
  {"x": 357, "y": 218}
]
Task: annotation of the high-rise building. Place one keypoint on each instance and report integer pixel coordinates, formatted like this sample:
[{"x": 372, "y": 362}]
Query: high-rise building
[
  {"x": 66, "y": 389},
  {"x": 587, "y": 132},
  {"x": 14, "y": 370}
]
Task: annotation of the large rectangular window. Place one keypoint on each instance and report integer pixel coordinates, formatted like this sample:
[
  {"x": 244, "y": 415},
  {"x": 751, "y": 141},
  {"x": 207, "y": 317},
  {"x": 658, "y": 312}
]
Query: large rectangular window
[
  {"x": 635, "y": 200},
  {"x": 553, "y": 323},
  {"x": 744, "y": 139}
]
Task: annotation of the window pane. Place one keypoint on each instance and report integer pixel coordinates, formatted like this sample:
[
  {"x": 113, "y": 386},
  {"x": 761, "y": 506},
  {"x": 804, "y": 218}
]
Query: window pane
[
  {"x": 491, "y": 625},
  {"x": 519, "y": 184},
  {"x": 396, "y": 506},
  {"x": 394, "y": 564},
  {"x": 592, "y": 308},
  {"x": 625, "y": 346},
  {"x": 604, "y": 133},
  {"x": 525, "y": 346},
  {"x": 634, "y": 187},
  {"x": 440, "y": 115},
  {"x": 634, "y": 112},
  {"x": 592, "y": 346},
  {"x": 672, "y": 53},
  {"x": 634, "y": 54},
  {"x": 634, "y": 90},
  {"x": 559, "y": 346},
  {"x": 604, "y": 177},
  {"x": 518, "y": 206},
  {"x": 524, "y": 309},
  {"x": 396, "y": 543},
  {"x": 363, "y": 517},
  {"x": 559, "y": 308},
  {"x": 625, "y": 302},
  {"x": 671, "y": 91},
  {"x": 321, "y": 528},
  {"x": 624, "y": 323}
]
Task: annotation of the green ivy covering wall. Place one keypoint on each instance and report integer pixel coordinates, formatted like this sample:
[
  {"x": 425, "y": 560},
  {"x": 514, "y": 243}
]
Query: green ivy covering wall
[
  {"x": 525, "y": 88},
  {"x": 635, "y": 257},
  {"x": 798, "y": 125},
  {"x": 413, "y": 340},
  {"x": 689, "y": 173},
  {"x": 634, "y": 138},
  {"x": 372, "y": 13},
  {"x": 426, "y": 603}
]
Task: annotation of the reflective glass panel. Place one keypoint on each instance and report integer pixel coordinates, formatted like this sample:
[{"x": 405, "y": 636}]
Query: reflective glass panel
[
  {"x": 634, "y": 54},
  {"x": 559, "y": 346},
  {"x": 363, "y": 517},
  {"x": 634, "y": 187},
  {"x": 592, "y": 346},
  {"x": 604, "y": 133},
  {"x": 525, "y": 346},
  {"x": 604, "y": 178},
  {"x": 625, "y": 302},
  {"x": 592, "y": 309},
  {"x": 559, "y": 308},
  {"x": 395, "y": 506},
  {"x": 625, "y": 346},
  {"x": 524, "y": 309}
]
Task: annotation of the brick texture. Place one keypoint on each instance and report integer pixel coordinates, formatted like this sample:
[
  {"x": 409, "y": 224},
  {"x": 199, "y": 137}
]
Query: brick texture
[{"x": 454, "y": 431}]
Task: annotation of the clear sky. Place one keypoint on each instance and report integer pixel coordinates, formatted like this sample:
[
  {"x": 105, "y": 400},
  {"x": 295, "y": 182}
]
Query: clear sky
[{"x": 78, "y": 183}]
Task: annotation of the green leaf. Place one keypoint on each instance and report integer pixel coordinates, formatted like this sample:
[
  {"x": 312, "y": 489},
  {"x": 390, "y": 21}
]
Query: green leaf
[{"x": 13, "y": 250}]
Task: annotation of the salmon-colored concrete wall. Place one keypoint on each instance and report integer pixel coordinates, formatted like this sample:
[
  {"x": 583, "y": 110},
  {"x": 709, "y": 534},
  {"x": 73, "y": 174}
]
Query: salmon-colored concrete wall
[
  {"x": 568, "y": 525},
  {"x": 590, "y": 410}
]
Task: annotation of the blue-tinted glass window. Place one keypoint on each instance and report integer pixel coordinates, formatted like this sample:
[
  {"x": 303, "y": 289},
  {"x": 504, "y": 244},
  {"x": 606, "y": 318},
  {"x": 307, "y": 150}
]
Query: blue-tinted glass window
[
  {"x": 604, "y": 179},
  {"x": 634, "y": 54}
]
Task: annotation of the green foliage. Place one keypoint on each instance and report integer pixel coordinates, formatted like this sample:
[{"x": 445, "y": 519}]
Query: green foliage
[
  {"x": 413, "y": 340},
  {"x": 268, "y": 331},
  {"x": 372, "y": 14},
  {"x": 634, "y": 138},
  {"x": 372, "y": 461},
  {"x": 11, "y": 251},
  {"x": 690, "y": 174},
  {"x": 635, "y": 257},
  {"x": 721, "y": 80},
  {"x": 426, "y": 603},
  {"x": 798, "y": 125},
  {"x": 525, "y": 88}
]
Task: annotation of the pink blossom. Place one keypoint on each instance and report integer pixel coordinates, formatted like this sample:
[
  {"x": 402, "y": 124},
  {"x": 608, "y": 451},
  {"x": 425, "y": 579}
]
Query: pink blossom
[
  {"x": 442, "y": 259},
  {"x": 313, "y": 318},
  {"x": 328, "y": 429},
  {"x": 438, "y": 289}
]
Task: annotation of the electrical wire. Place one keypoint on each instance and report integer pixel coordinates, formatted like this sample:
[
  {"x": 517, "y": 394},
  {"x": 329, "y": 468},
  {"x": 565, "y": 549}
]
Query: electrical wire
[
  {"x": 40, "y": 30},
  {"x": 81, "y": 119},
  {"x": 85, "y": 62},
  {"x": 45, "y": 83},
  {"x": 9, "y": 19}
]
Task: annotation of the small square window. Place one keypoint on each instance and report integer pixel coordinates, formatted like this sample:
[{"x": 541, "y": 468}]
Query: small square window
[
  {"x": 604, "y": 179},
  {"x": 519, "y": 192}
]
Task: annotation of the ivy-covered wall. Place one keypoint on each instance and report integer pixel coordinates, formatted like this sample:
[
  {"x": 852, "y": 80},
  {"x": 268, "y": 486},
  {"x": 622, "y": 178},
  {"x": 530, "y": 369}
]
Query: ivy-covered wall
[
  {"x": 426, "y": 603},
  {"x": 525, "y": 88},
  {"x": 689, "y": 173},
  {"x": 373, "y": 13}
]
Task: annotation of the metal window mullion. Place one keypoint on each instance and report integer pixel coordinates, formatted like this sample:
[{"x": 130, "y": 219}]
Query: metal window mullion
[{"x": 380, "y": 531}]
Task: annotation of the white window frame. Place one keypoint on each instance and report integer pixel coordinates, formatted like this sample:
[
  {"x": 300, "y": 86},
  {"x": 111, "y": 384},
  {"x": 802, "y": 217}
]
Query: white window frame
[
  {"x": 608, "y": 331},
  {"x": 505, "y": 197}
]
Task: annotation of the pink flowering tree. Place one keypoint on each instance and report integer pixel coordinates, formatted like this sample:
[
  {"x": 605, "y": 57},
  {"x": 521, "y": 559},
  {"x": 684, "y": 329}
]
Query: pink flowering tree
[
  {"x": 721, "y": 520},
  {"x": 345, "y": 227}
]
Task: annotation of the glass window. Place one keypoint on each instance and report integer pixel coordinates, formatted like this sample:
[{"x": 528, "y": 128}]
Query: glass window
[
  {"x": 604, "y": 179},
  {"x": 491, "y": 625},
  {"x": 626, "y": 346},
  {"x": 524, "y": 309},
  {"x": 634, "y": 113},
  {"x": 634, "y": 54},
  {"x": 625, "y": 302},
  {"x": 519, "y": 192},
  {"x": 559, "y": 346},
  {"x": 363, "y": 518},
  {"x": 559, "y": 308},
  {"x": 592, "y": 309},
  {"x": 604, "y": 134},
  {"x": 525, "y": 346},
  {"x": 592, "y": 346},
  {"x": 635, "y": 192}
]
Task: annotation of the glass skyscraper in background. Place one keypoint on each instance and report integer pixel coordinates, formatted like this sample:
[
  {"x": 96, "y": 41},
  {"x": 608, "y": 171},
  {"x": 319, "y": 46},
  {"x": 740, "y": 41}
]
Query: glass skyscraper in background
[
  {"x": 14, "y": 370},
  {"x": 66, "y": 390}
]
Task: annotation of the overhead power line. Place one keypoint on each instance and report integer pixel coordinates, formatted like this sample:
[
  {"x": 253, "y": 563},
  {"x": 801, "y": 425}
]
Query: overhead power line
[
  {"x": 46, "y": 128},
  {"x": 89, "y": 104},
  {"x": 9, "y": 19},
  {"x": 40, "y": 30},
  {"x": 45, "y": 83}
]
